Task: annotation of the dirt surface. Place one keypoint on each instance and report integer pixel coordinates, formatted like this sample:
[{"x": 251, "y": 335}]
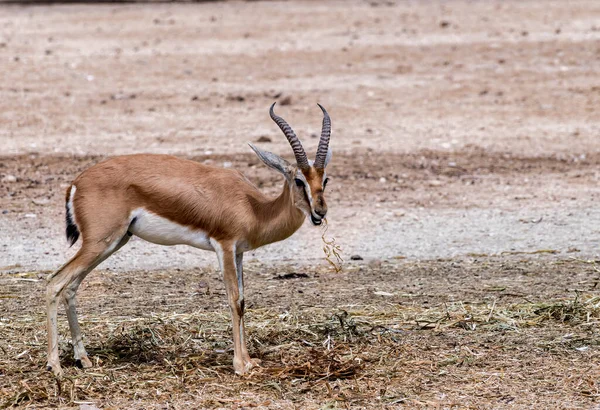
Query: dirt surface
[
  {"x": 465, "y": 139},
  {"x": 477, "y": 333}
]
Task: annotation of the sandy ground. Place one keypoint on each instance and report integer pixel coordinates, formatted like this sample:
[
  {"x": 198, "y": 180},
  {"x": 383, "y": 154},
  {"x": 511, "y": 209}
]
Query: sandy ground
[
  {"x": 509, "y": 82},
  {"x": 461, "y": 130}
]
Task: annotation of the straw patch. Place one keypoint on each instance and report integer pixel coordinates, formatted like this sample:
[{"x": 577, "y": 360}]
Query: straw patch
[{"x": 367, "y": 337}]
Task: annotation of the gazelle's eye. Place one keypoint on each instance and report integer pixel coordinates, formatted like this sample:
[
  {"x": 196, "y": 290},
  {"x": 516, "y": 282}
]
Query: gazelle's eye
[
  {"x": 299, "y": 183},
  {"x": 325, "y": 182}
]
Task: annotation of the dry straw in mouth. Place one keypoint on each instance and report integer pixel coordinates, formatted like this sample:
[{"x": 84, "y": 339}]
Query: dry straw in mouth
[{"x": 332, "y": 250}]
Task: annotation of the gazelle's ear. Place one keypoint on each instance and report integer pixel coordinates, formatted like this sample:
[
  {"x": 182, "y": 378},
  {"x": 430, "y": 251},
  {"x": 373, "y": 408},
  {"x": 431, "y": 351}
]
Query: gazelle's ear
[{"x": 273, "y": 161}]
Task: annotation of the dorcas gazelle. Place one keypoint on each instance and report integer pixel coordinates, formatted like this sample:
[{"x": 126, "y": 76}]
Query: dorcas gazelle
[{"x": 170, "y": 201}]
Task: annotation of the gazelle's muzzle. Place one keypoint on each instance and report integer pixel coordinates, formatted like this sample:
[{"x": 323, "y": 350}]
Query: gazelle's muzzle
[
  {"x": 319, "y": 211},
  {"x": 315, "y": 220}
]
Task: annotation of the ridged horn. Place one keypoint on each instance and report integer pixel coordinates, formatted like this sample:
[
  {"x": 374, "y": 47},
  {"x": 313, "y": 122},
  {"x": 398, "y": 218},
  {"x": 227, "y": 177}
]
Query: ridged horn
[
  {"x": 324, "y": 141},
  {"x": 299, "y": 153}
]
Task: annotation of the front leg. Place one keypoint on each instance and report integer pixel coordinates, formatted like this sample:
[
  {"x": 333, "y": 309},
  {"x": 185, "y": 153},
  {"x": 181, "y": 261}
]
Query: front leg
[
  {"x": 240, "y": 282},
  {"x": 228, "y": 261}
]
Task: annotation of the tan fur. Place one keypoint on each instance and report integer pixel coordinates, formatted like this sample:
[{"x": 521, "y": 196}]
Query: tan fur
[
  {"x": 220, "y": 202},
  {"x": 185, "y": 192},
  {"x": 180, "y": 201}
]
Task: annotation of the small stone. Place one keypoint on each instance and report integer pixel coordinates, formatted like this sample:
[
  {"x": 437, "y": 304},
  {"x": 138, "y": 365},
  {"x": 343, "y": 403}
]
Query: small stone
[
  {"x": 9, "y": 178},
  {"x": 381, "y": 293},
  {"x": 286, "y": 100},
  {"x": 227, "y": 164},
  {"x": 356, "y": 258},
  {"x": 264, "y": 138},
  {"x": 444, "y": 24},
  {"x": 88, "y": 406},
  {"x": 382, "y": 180}
]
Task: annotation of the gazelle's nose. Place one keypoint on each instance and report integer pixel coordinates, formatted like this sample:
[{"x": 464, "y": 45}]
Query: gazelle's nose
[{"x": 321, "y": 212}]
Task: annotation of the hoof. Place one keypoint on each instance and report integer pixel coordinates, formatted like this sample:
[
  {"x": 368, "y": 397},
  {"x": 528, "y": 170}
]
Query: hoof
[
  {"x": 56, "y": 369},
  {"x": 246, "y": 366},
  {"x": 83, "y": 363}
]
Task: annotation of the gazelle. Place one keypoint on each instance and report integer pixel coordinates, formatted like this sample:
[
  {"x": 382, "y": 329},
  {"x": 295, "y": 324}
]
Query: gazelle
[{"x": 170, "y": 201}]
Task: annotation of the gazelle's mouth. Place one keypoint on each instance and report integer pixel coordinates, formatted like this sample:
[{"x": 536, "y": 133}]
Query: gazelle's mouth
[{"x": 315, "y": 221}]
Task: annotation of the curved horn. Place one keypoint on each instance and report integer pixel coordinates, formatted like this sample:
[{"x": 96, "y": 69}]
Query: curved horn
[
  {"x": 299, "y": 153},
  {"x": 324, "y": 141}
]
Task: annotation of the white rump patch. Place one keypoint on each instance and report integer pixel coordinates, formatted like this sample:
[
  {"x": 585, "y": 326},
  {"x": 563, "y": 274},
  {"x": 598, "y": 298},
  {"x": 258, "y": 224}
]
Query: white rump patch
[
  {"x": 159, "y": 230},
  {"x": 70, "y": 204}
]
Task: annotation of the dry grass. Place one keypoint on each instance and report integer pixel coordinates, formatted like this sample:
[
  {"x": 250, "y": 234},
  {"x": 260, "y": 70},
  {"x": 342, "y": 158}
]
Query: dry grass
[
  {"x": 333, "y": 251},
  {"x": 362, "y": 352}
]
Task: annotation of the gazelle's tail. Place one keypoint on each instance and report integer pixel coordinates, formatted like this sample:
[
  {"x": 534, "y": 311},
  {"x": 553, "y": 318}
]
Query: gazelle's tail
[{"x": 72, "y": 231}]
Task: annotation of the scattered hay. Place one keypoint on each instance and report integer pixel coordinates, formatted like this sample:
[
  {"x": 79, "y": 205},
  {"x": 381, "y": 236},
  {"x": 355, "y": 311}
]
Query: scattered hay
[{"x": 373, "y": 351}]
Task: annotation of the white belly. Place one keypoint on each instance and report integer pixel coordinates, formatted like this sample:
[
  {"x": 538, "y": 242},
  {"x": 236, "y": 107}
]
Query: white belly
[{"x": 159, "y": 230}]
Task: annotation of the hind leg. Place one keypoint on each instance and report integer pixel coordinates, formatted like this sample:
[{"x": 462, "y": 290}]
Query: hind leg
[
  {"x": 63, "y": 285},
  {"x": 69, "y": 297}
]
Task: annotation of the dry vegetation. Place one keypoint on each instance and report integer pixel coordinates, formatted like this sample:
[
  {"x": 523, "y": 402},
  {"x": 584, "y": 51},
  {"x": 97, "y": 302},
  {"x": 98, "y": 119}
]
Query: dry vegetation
[{"x": 387, "y": 334}]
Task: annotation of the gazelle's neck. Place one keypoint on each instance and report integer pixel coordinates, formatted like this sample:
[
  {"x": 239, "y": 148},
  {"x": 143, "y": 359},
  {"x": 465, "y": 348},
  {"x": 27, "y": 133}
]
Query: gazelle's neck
[{"x": 277, "y": 218}]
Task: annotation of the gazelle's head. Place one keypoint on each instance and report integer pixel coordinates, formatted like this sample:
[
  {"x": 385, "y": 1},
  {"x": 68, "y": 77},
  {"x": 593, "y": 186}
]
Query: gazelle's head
[{"x": 307, "y": 179}]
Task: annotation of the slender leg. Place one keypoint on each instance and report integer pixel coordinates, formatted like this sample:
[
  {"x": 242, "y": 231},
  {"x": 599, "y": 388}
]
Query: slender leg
[
  {"x": 239, "y": 261},
  {"x": 80, "y": 265},
  {"x": 227, "y": 260},
  {"x": 62, "y": 285},
  {"x": 69, "y": 296}
]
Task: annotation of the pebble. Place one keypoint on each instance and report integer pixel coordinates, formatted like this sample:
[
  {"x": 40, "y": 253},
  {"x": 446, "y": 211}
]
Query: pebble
[
  {"x": 9, "y": 178},
  {"x": 356, "y": 258}
]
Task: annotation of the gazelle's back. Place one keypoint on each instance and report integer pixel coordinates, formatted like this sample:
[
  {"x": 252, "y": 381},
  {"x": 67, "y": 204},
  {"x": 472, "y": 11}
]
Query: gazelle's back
[{"x": 183, "y": 192}]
